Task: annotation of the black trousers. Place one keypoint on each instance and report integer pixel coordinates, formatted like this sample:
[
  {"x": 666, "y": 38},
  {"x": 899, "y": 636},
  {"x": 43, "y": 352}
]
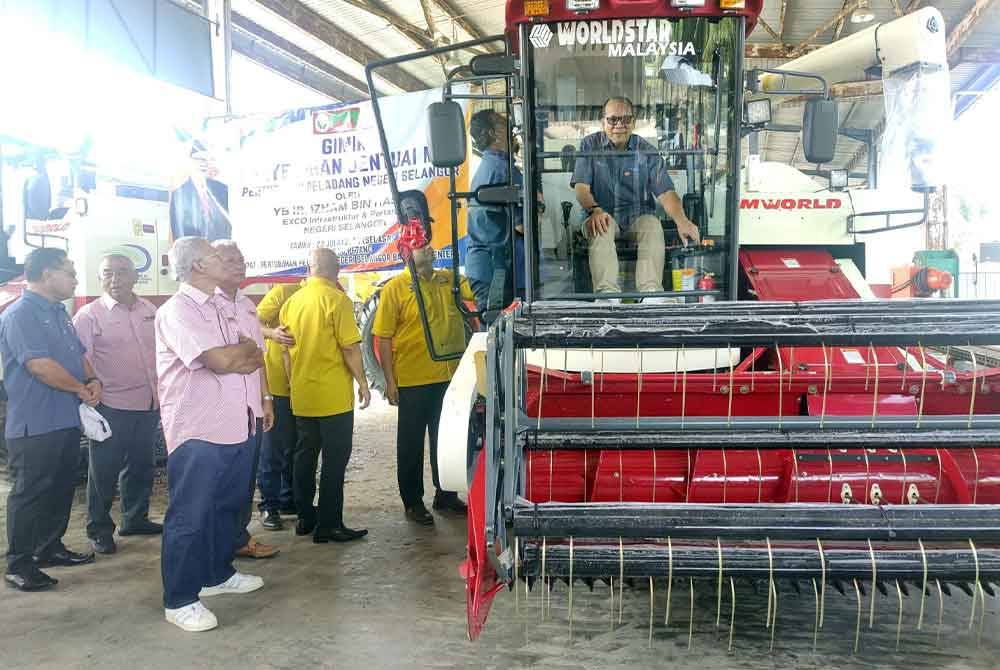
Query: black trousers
[
  {"x": 419, "y": 415},
  {"x": 43, "y": 471},
  {"x": 124, "y": 461},
  {"x": 333, "y": 437}
]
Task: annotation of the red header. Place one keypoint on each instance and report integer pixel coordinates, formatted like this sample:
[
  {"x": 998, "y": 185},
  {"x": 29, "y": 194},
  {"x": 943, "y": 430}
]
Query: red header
[{"x": 625, "y": 9}]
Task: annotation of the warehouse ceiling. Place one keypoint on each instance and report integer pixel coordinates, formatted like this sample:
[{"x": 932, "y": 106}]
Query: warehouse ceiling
[{"x": 324, "y": 44}]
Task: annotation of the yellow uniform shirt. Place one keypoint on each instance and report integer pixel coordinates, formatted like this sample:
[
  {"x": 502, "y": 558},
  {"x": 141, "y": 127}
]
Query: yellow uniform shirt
[
  {"x": 398, "y": 318},
  {"x": 321, "y": 319},
  {"x": 268, "y": 311}
]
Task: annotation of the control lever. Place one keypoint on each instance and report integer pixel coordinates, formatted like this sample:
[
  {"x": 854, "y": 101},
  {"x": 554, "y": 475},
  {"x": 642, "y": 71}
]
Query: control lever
[{"x": 567, "y": 209}]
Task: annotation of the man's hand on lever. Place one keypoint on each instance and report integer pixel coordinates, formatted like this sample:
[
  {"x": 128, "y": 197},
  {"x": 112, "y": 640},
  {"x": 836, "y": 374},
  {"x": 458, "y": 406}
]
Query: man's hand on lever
[{"x": 688, "y": 232}]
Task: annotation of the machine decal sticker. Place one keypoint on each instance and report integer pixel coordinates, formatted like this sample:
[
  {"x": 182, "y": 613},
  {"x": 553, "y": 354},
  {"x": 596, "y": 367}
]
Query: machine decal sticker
[
  {"x": 630, "y": 37},
  {"x": 790, "y": 203}
]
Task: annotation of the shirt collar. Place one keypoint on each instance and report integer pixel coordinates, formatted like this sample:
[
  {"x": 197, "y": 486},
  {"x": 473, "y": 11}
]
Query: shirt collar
[
  {"x": 195, "y": 294},
  {"x": 320, "y": 281},
  {"x": 222, "y": 294},
  {"x": 606, "y": 142},
  {"x": 41, "y": 301},
  {"x": 496, "y": 153}
]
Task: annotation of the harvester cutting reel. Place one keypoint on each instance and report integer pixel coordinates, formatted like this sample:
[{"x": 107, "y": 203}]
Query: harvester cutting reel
[{"x": 829, "y": 444}]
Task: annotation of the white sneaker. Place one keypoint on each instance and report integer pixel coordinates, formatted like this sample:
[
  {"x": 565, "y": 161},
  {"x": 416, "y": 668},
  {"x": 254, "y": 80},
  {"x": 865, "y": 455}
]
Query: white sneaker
[
  {"x": 660, "y": 300},
  {"x": 193, "y": 618},
  {"x": 238, "y": 583}
]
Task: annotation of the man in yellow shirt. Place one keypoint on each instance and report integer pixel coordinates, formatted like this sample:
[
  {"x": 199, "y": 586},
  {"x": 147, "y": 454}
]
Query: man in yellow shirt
[
  {"x": 414, "y": 381},
  {"x": 275, "y": 474},
  {"x": 325, "y": 357}
]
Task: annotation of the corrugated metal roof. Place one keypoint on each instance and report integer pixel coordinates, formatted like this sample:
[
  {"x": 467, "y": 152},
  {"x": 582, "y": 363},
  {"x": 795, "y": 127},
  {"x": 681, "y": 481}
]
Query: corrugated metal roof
[{"x": 802, "y": 19}]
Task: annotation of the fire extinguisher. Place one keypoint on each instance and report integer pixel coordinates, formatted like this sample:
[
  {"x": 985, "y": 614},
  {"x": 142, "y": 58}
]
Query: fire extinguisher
[{"x": 706, "y": 283}]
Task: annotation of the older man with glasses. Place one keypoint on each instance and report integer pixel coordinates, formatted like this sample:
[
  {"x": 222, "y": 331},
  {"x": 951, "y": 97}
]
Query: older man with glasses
[
  {"x": 204, "y": 364},
  {"x": 117, "y": 330},
  {"x": 619, "y": 194},
  {"x": 235, "y": 304}
]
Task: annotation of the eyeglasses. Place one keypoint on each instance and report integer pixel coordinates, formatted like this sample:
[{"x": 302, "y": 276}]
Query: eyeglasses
[
  {"x": 120, "y": 274},
  {"x": 620, "y": 120}
]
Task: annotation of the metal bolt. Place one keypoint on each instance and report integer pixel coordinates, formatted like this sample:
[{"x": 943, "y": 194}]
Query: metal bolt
[
  {"x": 812, "y": 389},
  {"x": 724, "y": 389},
  {"x": 744, "y": 389}
]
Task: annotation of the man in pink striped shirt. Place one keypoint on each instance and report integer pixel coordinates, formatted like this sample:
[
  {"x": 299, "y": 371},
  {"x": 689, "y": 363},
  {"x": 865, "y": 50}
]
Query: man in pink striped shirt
[
  {"x": 206, "y": 401},
  {"x": 117, "y": 330},
  {"x": 232, "y": 302}
]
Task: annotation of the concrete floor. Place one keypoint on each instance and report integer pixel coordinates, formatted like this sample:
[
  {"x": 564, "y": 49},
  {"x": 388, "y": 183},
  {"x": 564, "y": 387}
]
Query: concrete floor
[{"x": 395, "y": 600}]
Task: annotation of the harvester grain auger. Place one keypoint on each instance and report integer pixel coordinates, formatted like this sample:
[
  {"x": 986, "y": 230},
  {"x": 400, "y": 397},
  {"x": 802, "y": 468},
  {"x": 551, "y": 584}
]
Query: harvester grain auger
[{"x": 834, "y": 446}]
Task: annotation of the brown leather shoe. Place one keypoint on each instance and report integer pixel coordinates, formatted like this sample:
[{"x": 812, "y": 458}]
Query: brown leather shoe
[{"x": 255, "y": 549}]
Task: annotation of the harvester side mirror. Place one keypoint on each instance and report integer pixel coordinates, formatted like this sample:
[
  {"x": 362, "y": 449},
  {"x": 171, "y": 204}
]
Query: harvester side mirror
[
  {"x": 37, "y": 197},
  {"x": 446, "y": 134},
  {"x": 491, "y": 64},
  {"x": 820, "y": 125},
  {"x": 498, "y": 195}
]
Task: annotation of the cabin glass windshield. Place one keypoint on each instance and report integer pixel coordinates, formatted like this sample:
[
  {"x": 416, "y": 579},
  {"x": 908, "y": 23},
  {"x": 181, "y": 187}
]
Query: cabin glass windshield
[{"x": 674, "y": 80}]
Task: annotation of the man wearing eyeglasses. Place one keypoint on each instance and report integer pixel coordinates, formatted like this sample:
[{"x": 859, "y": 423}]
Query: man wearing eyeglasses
[
  {"x": 619, "y": 194},
  {"x": 117, "y": 330},
  {"x": 46, "y": 376}
]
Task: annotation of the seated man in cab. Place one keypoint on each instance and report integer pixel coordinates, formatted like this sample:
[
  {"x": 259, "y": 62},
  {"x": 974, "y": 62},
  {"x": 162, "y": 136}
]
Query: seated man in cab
[{"x": 619, "y": 195}]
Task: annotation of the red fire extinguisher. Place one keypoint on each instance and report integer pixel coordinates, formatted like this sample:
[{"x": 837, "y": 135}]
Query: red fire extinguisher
[{"x": 706, "y": 283}]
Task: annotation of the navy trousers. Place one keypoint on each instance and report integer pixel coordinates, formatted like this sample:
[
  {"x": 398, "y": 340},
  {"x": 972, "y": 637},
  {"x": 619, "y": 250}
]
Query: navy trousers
[
  {"x": 43, "y": 475},
  {"x": 246, "y": 513},
  {"x": 277, "y": 448},
  {"x": 125, "y": 457},
  {"x": 208, "y": 485}
]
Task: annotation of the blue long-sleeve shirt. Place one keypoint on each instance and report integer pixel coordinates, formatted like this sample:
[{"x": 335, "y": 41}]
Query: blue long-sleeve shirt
[{"x": 489, "y": 235}]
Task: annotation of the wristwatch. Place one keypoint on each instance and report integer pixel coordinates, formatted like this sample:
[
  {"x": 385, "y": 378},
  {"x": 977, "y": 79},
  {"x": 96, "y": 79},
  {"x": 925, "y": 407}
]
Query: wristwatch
[
  {"x": 590, "y": 210},
  {"x": 92, "y": 379}
]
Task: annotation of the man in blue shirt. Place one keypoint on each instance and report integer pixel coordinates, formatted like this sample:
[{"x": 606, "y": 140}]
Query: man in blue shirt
[
  {"x": 46, "y": 377},
  {"x": 488, "y": 250},
  {"x": 619, "y": 195}
]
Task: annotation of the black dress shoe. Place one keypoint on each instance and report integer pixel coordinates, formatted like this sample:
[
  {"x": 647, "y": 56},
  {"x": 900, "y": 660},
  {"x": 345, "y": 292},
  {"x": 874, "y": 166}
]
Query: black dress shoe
[
  {"x": 450, "y": 502},
  {"x": 419, "y": 514},
  {"x": 144, "y": 527},
  {"x": 271, "y": 520},
  {"x": 342, "y": 534},
  {"x": 34, "y": 580},
  {"x": 104, "y": 545},
  {"x": 63, "y": 558},
  {"x": 288, "y": 510},
  {"x": 302, "y": 527}
]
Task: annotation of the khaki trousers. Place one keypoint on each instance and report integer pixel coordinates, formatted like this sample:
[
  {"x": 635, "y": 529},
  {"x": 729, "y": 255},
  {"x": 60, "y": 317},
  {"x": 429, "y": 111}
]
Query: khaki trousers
[{"x": 648, "y": 234}]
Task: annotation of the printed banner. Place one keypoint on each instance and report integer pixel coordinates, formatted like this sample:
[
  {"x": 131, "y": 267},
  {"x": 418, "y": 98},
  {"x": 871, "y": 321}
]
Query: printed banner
[{"x": 316, "y": 177}]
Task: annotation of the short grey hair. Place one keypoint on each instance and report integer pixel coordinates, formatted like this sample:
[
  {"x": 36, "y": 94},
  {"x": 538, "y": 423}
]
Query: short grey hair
[
  {"x": 183, "y": 255},
  {"x": 114, "y": 256}
]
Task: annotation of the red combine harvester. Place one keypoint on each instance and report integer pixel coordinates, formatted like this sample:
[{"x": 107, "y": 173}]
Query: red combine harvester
[{"x": 794, "y": 430}]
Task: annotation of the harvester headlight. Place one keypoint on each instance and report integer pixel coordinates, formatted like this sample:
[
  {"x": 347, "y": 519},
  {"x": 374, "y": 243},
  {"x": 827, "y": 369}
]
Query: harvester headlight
[
  {"x": 583, "y": 5},
  {"x": 758, "y": 112},
  {"x": 684, "y": 4},
  {"x": 838, "y": 180}
]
